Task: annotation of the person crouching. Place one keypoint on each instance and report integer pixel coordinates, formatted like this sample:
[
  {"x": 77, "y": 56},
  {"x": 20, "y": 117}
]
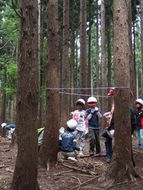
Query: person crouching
[{"x": 67, "y": 140}]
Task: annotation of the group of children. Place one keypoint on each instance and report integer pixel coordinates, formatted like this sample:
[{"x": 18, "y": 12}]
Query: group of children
[
  {"x": 87, "y": 121},
  {"x": 82, "y": 122}
]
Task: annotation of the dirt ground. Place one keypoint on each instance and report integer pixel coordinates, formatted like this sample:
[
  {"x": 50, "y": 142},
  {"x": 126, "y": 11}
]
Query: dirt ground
[{"x": 84, "y": 174}]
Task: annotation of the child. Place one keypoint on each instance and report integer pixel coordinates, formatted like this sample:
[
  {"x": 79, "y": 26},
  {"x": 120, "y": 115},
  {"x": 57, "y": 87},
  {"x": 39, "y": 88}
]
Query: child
[
  {"x": 109, "y": 133},
  {"x": 93, "y": 115},
  {"x": 8, "y": 129},
  {"x": 139, "y": 120},
  {"x": 67, "y": 140},
  {"x": 79, "y": 116}
]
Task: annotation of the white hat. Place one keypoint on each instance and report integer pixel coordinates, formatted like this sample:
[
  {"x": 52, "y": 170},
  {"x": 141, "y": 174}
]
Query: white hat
[
  {"x": 72, "y": 124},
  {"x": 107, "y": 115},
  {"x": 80, "y": 101},
  {"x": 3, "y": 125},
  {"x": 140, "y": 101},
  {"x": 91, "y": 99}
]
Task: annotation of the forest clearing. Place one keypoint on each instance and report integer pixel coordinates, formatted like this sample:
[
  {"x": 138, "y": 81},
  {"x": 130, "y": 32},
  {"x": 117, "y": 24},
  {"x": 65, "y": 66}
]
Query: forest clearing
[{"x": 71, "y": 94}]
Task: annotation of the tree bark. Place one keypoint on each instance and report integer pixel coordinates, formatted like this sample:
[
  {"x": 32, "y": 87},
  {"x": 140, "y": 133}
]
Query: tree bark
[
  {"x": 83, "y": 47},
  {"x": 103, "y": 56},
  {"x": 122, "y": 166},
  {"x": 97, "y": 46},
  {"x": 141, "y": 4},
  {"x": 27, "y": 102},
  {"x": 72, "y": 65},
  {"x": 132, "y": 60},
  {"x": 109, "y": 36},
  {"x": 65, "y": 64},
  {"x": 3, "y": 106},
  {"x": 89, "y": 76},
  {"x": 43, "y": 60},
  {"x": 48, "y": 155}
]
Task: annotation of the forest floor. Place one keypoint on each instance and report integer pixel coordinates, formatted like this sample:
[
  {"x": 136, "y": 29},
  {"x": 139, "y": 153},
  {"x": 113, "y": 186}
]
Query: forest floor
[{"x": 83, "y": 174}]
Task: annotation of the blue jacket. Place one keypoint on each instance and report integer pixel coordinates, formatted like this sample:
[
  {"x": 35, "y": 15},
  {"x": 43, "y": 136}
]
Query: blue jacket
[
  {"x": 68, "y": 141},
  {"x": 93, "y": 122}
]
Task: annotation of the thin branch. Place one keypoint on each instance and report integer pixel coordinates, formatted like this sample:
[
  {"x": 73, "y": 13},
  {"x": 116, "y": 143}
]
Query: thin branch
[
  {"x": 86, "y": 182},
  {"x": 77, "y": 179},
  {"x": 80, "y": 170},
  {"x": 13, "y": 6},
  {"x": 63, "y": 172},
  {"x": 5, "y": 44}
]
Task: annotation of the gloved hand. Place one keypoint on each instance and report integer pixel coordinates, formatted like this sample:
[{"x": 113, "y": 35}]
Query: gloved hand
[
  {"x": 92, "y": 111},
  {"x": 95, "y": 110}
]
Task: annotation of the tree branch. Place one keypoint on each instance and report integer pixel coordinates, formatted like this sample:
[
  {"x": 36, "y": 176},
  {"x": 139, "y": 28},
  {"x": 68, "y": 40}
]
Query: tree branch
[{"x": 13, "y": 6}]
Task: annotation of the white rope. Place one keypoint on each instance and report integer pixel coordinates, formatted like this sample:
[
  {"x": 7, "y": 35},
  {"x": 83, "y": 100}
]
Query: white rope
[
  {"x": 117, "y": 87},
  {"x": 66, "y": 93}
]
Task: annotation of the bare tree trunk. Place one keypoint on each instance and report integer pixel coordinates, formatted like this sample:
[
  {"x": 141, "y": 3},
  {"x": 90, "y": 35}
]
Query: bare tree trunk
[
  {"x": 48, "y": 155},
  {"x": 83, "y": 47},
  {"x": 65, "y": 64},
  {"x": 109, "y": 47},
  {"x": 43, "y": 37},
  {"x": 97, "y": 46},
  {"x": 103, "y": 55},
  {"x": 27, "y": 102},
  {"x": 3, "y": 106},
  {"x": 122, "y": 166},
  {"x": 76, "y": 68},
  {"x": 141, "y": 4},
  {"x": 72, "y": 65},
  {"x": 39, "y": 58},
  {"x": 89, "y": 76},
  {"x": 9, "y": 109},
  {"x": 132, "y": 60}
]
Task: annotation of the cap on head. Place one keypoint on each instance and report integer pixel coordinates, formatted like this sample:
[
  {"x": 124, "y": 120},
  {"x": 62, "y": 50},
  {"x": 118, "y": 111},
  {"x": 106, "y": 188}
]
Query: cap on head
[
  {"x": 80, "y": 101},
  {"x": 3, "y": 125},
  {"x": 72, "y": 124},
  {"x": 140, "y": 101},
  {"x": 92, "y": 101},
  {"x": 111, "y": 91}
]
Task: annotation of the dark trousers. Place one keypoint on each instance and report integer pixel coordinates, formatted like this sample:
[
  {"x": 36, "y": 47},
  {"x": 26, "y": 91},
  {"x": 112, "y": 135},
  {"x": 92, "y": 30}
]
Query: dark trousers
[
  {"x": 94, "y": 140},
  {"x": 108, "y": 147},
  {"x": 108, "y": 144}
]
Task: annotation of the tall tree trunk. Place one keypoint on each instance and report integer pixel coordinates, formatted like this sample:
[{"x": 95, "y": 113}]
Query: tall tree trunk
[
  {"x": 89, "y": 76},
  {"x": 122, "y": 165},
  {"x": 43, "y": 60},
  {"x": 65, "y": 64},
  {"x": 48, "y": 155},
  {"x": 83, "y": 47},
  {"x": 3, "y": 105},
  {"x": 141, "y": 4},
  {"x": 132, "y": 60},
  {"x": 97, "y": 46},
  {"x": 72, "y": 65},
  {"x": 109, "y": 44},
  {"x": 103, "y": 56},
  {"x": 27, "y": 102},
  {"x": 39, "y": 58},
  {"x": 76, "y": 68},
  {"x": 9, "y": 109}
]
